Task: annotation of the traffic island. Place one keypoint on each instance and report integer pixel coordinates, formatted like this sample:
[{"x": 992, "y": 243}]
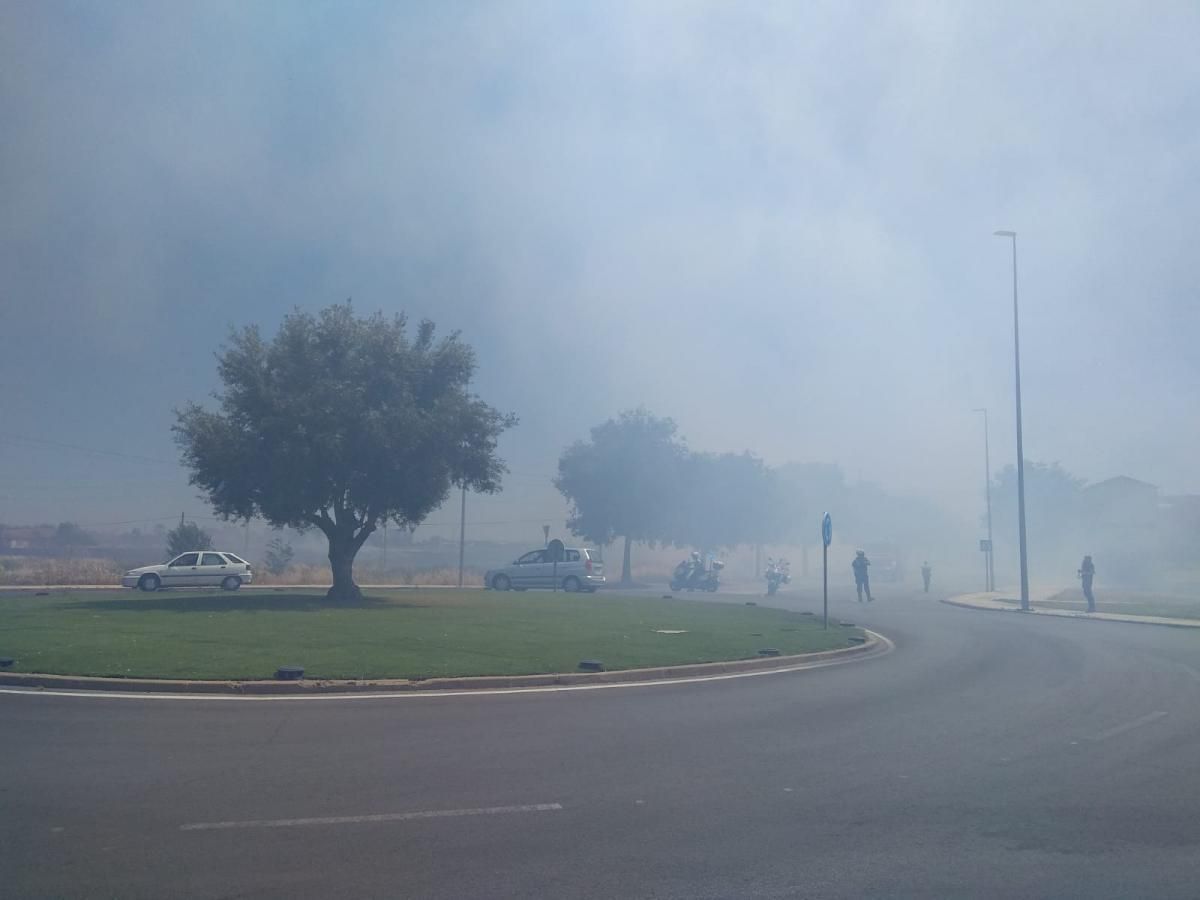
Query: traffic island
[
  {"x": 410, "y": 640},
  {"x": 868, "y": 645}
]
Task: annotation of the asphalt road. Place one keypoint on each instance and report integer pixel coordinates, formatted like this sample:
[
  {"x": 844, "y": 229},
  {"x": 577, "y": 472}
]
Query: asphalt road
[{"x": 989, "y": 755}]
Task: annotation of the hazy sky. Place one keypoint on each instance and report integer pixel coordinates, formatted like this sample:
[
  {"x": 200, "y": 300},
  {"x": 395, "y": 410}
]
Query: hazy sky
[{"x": 772, "y": 222}]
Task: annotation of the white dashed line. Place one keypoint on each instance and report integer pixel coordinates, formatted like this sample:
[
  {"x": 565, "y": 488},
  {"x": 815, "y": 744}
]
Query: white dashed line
[
  {"x": 380, "y": 817},
  {"x": 1129, "y": 726}
]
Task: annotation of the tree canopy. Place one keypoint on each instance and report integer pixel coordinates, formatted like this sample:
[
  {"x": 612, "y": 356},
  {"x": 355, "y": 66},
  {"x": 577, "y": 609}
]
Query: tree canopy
[
  {"x": 187, "y": 536},
  {"x": 1051, "y": 513},
  {"x": 624, "y": 481},
  {"x": 341, "y": 423},
  {"x": 725, "y": 500}
]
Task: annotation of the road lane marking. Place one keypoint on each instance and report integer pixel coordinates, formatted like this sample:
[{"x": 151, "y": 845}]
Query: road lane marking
[
  {"x": 885, "y": 647},
  {"x": 1130, "y": 726},
  {"x": 379, "y": 817}
]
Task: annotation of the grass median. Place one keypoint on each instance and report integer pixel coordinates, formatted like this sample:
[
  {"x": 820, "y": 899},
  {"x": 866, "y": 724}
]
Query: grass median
[
  {"x": 1126, "y": 602},
  {"x": 390, "y": 634}
]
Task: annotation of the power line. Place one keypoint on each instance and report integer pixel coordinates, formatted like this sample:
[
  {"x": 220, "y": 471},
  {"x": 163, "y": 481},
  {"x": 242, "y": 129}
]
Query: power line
[
  {"x": 541, "y": 519},
  {"x": 95, "y": 451},
  {"x": 99, "y": 451}
]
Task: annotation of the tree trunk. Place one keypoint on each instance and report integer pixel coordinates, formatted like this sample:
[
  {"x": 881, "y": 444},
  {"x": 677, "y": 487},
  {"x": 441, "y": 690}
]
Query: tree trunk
[
  {"x": 342, "y": 551},
  {"x": 626, "y": 570}
]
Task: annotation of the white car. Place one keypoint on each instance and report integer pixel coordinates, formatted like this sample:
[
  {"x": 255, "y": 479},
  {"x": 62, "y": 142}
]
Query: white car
[
  {"x": 196, "y": 568},
  {"x": 581, "y": 569}
]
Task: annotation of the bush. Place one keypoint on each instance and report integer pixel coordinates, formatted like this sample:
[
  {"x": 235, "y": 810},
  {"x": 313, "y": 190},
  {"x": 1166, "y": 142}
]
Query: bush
[
  {"x": 279, "y": 556},
  {"x": 25, "y": 570}
]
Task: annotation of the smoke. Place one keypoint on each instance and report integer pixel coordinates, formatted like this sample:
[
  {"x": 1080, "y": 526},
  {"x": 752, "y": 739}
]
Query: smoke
[{"x": 771, "y": 223}]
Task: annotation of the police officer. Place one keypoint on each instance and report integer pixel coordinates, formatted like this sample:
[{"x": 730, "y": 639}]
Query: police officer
[
  {"x": 862, "y": 581},
  {"x": 1087, "y": 571}
]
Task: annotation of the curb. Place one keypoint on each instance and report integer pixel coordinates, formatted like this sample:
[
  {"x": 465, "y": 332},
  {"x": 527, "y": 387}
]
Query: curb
[
  {"x": 873, "y": 644},
  {"x": 991, "y": 603}
]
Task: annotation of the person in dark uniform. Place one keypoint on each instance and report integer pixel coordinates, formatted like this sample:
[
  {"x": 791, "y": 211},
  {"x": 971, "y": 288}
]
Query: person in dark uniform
[
  {"x": 1087, "y": 571},
  {"x": 926, "y": 575},
  {"x": 862, "y": 580}
]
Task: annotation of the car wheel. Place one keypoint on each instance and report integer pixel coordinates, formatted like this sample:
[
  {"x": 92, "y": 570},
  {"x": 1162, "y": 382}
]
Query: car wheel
[
  {"x": 571, "y": 584},
  {"x": 501, "y": 583},
  {"x": 149, "y": 582},
  {"x": 232, "y": 583}
]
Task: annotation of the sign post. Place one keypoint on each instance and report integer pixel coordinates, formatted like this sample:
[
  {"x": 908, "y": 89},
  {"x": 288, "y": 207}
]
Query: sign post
[
  {"x": 546, "y": 532},
  {"x": 556, "y": 551},
  {"x": 985, "y": 547},
  {"x": 826, "y": 540}
]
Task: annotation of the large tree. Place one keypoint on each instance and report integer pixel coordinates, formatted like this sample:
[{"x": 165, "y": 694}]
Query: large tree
[
  {"x": 728, "y": 499},
  {"x": 624, "y": 481},
  {"x": 341, "y": 423},
  {"x": 1051, "y": 514}
]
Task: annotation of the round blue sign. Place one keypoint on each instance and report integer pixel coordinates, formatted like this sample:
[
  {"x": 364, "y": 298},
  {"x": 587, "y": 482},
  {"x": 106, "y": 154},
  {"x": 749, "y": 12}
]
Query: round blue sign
[{"x": 827, "y": 530}]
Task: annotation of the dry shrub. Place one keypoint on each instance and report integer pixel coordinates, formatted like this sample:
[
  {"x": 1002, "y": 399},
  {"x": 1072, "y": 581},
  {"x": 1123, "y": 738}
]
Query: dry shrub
[
  {"x": 30, "y": 570},
  {"x": 364, "y": 574},
  {"x": 297, "y": 573}
]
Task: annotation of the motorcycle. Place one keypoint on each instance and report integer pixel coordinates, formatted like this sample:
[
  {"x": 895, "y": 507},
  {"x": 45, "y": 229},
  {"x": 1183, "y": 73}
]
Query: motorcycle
[
  {"x": 681, "y": 575},
  {"x": 777, "y": 573},
  {"x": 691, "y": 575}
]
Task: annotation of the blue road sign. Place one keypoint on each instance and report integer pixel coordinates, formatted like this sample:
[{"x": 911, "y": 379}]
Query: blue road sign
[{"x": 827, "y": 530}]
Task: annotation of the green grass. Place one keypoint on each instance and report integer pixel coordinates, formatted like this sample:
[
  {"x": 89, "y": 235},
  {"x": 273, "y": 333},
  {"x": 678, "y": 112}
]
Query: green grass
[
  {"x": 390, "y": 634},
  {"x": 1136, "y": 603}
]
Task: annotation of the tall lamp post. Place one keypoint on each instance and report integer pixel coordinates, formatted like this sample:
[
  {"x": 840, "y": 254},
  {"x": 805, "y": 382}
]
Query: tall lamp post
[
  {"x": 462, "y": 534},
  {"x": 462, "y": 514},
  {"x": 1020, "y": 446},
  {"x": 989, "y": 578}
]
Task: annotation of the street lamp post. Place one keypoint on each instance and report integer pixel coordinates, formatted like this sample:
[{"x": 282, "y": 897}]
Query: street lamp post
[
  {"x": 989, "y": 579},
  {"x": 1020, "y": 446},
  {"x": 462, "y": 534},
  {"x": 462, "y": 514}
]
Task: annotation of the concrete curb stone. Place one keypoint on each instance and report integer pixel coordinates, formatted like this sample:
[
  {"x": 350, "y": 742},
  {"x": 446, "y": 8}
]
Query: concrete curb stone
[
  {"x": 995, "y": 602},
  {"x": 660, "y": 673}
]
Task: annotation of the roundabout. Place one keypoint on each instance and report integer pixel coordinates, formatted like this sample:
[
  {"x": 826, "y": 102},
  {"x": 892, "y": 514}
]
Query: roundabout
[{"x": 983, "y": 756}]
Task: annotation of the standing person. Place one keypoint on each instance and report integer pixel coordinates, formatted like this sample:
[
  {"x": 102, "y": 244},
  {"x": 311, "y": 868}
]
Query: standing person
[
  {"x": 862, "y": 581},
  {"x": 1087, "y": 571},
  {"x": 926, "y": 574}
]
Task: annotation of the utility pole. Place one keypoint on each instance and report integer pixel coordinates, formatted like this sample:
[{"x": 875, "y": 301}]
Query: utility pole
[{"x": 989, "y": 579}]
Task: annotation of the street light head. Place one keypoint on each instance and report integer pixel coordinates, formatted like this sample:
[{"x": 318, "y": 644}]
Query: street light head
[
  {"x": 1004, "y": 233},
  {"x": 981, "y": 409}
]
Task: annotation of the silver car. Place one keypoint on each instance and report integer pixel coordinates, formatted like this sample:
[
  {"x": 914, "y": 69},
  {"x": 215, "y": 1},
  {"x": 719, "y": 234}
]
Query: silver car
[{"x": 580, "y": 570}]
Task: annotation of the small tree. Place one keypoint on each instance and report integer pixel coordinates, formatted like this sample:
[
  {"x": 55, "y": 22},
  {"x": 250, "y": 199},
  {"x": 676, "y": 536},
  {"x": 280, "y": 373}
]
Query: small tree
[
  {"x": 341, "y": 423},
  {"x": 68, "y": 536},
  {"x": 279, "y": 556},
  {"x": 187, "y": 536},
  {"x": 622, "y": 483}
]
